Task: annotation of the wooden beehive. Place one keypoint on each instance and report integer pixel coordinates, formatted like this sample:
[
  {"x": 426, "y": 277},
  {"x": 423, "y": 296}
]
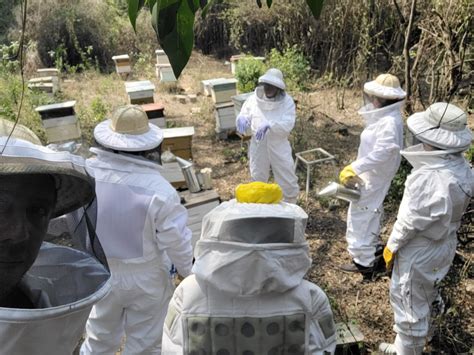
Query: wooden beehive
[
  {"x": 140, "y": 92},
  {"x": 223, "y": 90},
  {"x": 155, "y": 113},
  {"x": 225, "y": 116},
  {"x": 60, "y": 121},
  {"x": 206, "y": 86},
  {"x": 46, "y": 87},
  {"x": 178, "y": 141},
  {"x": 239, "y": 100},
  {"x": 161, "y": 57},
  {"x": 173, "y": 174},
  {"x": 123, "y": 65},
  {"x": 44, "y": 81},
  {"x": 198, "y": 205},
  {"x": 165, "y": 73},
  {"x": 52, "y": 74}
]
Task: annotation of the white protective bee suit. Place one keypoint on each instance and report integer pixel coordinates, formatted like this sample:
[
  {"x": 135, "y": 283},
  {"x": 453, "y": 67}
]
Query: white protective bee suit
[
  {"x": 247, "y": 294},
  {"x": 423, "y": 240},
  {"x": 142, "y": 226},
  {"x": 377, "y": 162},
  {"x": 274, "y": 150}
]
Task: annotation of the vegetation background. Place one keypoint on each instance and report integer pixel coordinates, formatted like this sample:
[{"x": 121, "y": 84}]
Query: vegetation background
[{"x": 326, "y": 61}]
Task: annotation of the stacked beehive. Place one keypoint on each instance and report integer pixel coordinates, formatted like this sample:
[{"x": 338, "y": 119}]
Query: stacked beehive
[
  {"x": 140, "y": 92},
  {"x": 155, "y": 113},
  {"x": 60, "y": 121},
  {"x": 222, "y": 91},
  {"x": 164, "y": 72},
  {"x": 47, "y": 81},
  {"x": 123, "y": 65}
]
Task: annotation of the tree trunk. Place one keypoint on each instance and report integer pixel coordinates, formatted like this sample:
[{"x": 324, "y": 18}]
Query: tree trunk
[{"x": 406, "y": 53}]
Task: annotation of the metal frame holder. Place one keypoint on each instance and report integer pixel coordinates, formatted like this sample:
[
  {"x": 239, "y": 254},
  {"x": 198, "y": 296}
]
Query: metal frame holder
[{"x": 327, "y": 158}]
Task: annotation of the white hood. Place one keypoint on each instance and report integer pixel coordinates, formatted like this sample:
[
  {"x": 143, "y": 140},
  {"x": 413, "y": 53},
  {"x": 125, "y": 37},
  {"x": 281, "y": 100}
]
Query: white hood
[
  {"x": 234, "y": 254},
  {"x": 371, "y": 114}
]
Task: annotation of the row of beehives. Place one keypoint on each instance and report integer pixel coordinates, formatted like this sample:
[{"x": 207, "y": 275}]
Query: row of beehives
[
  {"x": 164, "y": 72},
  {"x": 47, "y": 81}
]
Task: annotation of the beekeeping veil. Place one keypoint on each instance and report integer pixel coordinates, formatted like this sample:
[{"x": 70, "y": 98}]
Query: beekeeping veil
[{"x": 70, "y": 273}]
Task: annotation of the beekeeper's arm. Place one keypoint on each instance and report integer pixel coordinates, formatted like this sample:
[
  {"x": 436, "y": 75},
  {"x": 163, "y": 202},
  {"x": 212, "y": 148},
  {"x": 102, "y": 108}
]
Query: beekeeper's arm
[
  {"x": 322, "y": 338},
  {"x": 173, "y": 338},
  {"x": 424, "y": 209},
  {"x": 386, "y": 148},
  {"x": 284, "y": 119},
  {"x": 172, "y": 234}
]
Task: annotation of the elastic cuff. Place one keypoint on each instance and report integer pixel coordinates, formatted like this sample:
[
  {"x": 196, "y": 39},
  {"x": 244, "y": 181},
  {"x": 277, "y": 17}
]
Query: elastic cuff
[{"x": 355, "y": 165}]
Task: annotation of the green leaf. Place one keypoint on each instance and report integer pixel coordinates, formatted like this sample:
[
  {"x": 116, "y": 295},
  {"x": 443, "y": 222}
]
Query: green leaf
[
  {"x": 269, "y": 3},
  {"x": 315, "y": 6},
  {"x": 150, "y": 4},
  {"x": 134, "y": 7},
  {"x": 259, "y": 3},
  {"x": 173, "y": 21}
]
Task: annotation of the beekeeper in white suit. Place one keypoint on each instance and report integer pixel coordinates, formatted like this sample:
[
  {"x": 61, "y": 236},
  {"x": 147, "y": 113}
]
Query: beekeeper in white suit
[
  {"x": 247, "y": 294},
  {"x": 142, "y": 226},
  {"x": 423, "y": 241},
  {"x": 46, "y": 290},
  {"x": 377, "y": 162},
  {"x": 270, "y": 115}
]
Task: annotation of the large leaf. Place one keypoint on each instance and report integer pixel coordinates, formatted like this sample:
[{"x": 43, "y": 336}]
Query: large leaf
[
  {"x": 315, "y": 6},
  {"x": 173, "y": 21},
  {"x": 134, "y": 7}
]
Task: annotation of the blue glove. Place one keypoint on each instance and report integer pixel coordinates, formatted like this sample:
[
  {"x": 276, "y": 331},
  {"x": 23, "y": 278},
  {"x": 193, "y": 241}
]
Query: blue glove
[
  {"x": 243, "y": 123},
  {"x": 262, "y": 130}
]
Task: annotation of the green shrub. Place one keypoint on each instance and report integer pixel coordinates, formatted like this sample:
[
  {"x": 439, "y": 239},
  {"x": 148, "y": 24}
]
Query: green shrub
[
  {"x": 293, "y": 64},
  {"x": 397, "y": 187},
  {"x": 247, "y": 73},
  {"x": 8, "y": 57}
]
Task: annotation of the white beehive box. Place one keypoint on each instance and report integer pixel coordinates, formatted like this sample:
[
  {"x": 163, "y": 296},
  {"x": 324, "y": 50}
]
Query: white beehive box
[
  {"x": 225, "y": 116},
  {"x": 239, "y": 101},
  {"x": 165, "y": 73},
  {"x": 161, "y": 57},
  {"x": 206, "y": 85},
  {"x": 60, "y": 121},
  {"x": 140, "y": 92},
  {"x": 198, "y": 205},
  {"x": 223, "y": 90},
  {"x": 123, "y": 65}
]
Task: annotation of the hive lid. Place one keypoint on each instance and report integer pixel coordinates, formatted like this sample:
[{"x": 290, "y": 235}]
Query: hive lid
[{"x": 62, "y": 105}]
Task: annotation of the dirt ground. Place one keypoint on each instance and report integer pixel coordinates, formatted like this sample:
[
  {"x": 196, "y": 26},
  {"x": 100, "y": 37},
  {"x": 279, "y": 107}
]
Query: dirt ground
[{"x": 327, "y": 118}]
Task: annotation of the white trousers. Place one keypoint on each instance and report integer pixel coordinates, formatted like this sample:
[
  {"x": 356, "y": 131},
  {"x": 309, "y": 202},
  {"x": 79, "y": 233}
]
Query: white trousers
[
  {"x": 136, "y": 307},
  {"x": 363, "y": 224},
  {"x": 418, "y": 269},
  {"x": 266, "y": 155}
]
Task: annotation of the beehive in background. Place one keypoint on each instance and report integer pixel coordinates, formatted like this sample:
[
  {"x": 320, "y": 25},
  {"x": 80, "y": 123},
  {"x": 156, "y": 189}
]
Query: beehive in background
[
  {"x": 60, "y": 121},
  {"x": 165, "y": 73},
  {"x": 239, "y": 100},
  {"x": 155, "y": 113},
  {"x": 198, "y": 205},
  {"x": 206, "y": 85},
  {"x": 179, "y": 141},
  {"x": 140, "y": 92},
  {"x": 222, "y": 90},
  {"x": 225, "y": 117},
  {"x": 123, "y": 65},
  {"x": 52, "y": 75},
  {"x": 161, "y": 57}
]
